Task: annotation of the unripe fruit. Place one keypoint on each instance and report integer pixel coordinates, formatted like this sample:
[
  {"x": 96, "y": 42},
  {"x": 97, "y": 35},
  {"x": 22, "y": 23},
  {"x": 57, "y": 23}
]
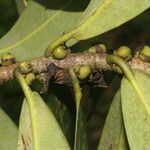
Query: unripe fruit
[
  {"x": 92, "y": 50},
  {"x": 30, "y": 77},
  {"x": 100, "y": 48},
  {"x": 82, "y": 71},
  {"x": 41, "y": 77},
  {"x": 25, "y": 67},
  {"x": 145, "y": 54},
  {"x": 124, "y": 52},
  {"x": 60, "y": 52},
  {"x": 8, "y": 59}
]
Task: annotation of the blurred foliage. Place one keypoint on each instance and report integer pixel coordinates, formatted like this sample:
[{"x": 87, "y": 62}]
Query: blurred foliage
[{"x": 8, "y": 15}]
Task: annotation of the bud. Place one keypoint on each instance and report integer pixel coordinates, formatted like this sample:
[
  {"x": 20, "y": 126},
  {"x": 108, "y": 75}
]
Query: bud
[
  {"x": 25, "y": 67},
  {"x": 60, "y": 52},
  {"x": 123, "y": 52},
  {"x": 8, "y": 59},
  {"x": 82, "y": 71},
  {"x": 145, "y": 54},
  {"x": 41, "y": 77},
  {"x": 100, "y": 48}
]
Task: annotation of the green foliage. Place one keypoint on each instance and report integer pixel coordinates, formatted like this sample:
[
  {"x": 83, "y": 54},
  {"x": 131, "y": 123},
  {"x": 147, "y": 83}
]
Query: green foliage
[
  {"x": 80, "y": 141},
  {"x": 63, "y": 116},
  {"x": 46, "y": 127},
  {"x": 113, "y": 135},
  {"x": 8, "y": 132},
  {"x": 99, "y": 16},
  {"x": 136, "y": 110},
  {"x": 37, "y": 122},
  {"x": 40, "y": 25},
  {"x": 54, "y": 124}
]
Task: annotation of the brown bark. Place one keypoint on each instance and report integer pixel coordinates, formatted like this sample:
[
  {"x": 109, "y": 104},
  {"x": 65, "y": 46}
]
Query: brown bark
[{"x": 95, "y": 61}]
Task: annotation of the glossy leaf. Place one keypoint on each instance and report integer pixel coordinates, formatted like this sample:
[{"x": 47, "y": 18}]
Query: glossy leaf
[
  {"x": 136, "y": 110},
  {"x": 8, "y": 132},
  {"x": 39, "y": 24},
  {"x": 104, "y": 15},
  {"x": 49, "y": 133},
  {"x": 113, "y": 134}
]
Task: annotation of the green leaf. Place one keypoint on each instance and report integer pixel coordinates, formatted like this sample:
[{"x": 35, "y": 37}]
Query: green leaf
[
  {"x": 8, "y": 132},
  {"x": 80, "y": 131},
  {"x": 38, "y": 25},
  {"x": 113, "y": 134},
  {"x": 80, "y": 141},
  {"x": 100, "y": 17},
  {"x": 104, "y": 15},
  {"x": 49, "y": 133},
  {"x": 21, "y": 4},
  {"x": 63, "y": 116},
  {"x": 136, "y": 110},
  {"x": 38, "y": 127}
]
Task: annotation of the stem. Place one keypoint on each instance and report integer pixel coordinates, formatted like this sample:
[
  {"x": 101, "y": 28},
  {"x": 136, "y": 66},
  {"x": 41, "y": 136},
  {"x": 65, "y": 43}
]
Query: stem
[
  {"x": 122, "y": 64},
  {"x": 78, "y": 95},
  {"x": 76, "y": 87},
  {"x": 29, "y": 97},
  {"x": 129, "y": 75},
  {"x": 57, "y": 42}
]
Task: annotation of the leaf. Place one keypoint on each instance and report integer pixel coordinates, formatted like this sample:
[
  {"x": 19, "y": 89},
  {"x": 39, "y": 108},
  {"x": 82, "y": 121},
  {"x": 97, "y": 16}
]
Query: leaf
[
  {"x": 80, "y": 141},
  {"x": 38, "y": 25},
  {"x": 80, "y": 132},
  {"x": 49, "y": 133},
  {"x": 136, "y": 110},
  {"x": 63, "y": 116},
  {"x": 8, "y": 132},
  {"x": 21, "y": 4},
  {"x": 104, "y": 15},
  {"x": 113, "y": 134}
]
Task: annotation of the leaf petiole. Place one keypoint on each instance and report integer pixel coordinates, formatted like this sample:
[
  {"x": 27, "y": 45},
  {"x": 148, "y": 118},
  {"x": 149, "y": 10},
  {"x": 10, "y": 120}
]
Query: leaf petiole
[
  {"x": 63, "y": 38},
  {"x": 129, "y": 75},
  {"x": 29, "y": 96}
]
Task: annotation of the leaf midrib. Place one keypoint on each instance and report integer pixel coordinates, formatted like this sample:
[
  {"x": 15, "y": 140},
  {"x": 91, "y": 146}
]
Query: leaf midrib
[
  {"x": 137, "y": 88},
  {"x": 94, "y": 15},
  {"x": 34, "y": 31}
]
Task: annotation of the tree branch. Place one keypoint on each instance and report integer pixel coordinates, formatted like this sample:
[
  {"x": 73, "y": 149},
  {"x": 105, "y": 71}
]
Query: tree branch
[{"x": 95, "y": 61}]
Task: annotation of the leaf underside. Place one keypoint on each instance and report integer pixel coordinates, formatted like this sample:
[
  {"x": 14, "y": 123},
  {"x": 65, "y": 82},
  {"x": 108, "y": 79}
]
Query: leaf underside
[
  {"x": 63, "y": 116},
  {"x": 136, "y": 108},
  {"x": 50, "y": 135},
  {"x": 8, "y": 132},
  {"x": 104, "y": 15},
  {"x": 38, "y": 26},
  {"x": 113, "y": 135}
]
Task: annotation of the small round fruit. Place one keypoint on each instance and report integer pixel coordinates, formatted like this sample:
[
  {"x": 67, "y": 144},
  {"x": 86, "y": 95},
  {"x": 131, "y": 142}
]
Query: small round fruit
[
  {"x": 100, "y": 48},
  {"x": 60, "y": 52},
  {"x": 82, "y": 71},
  {"x": 145, "y": 54},
  {"x": 8, "y": 59},
  {"x": 92, "y": 50},
  {"x": 25, "y": 67},
  {"x": 124, "y": 52},
  {"x": 30, "y": 77}
]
